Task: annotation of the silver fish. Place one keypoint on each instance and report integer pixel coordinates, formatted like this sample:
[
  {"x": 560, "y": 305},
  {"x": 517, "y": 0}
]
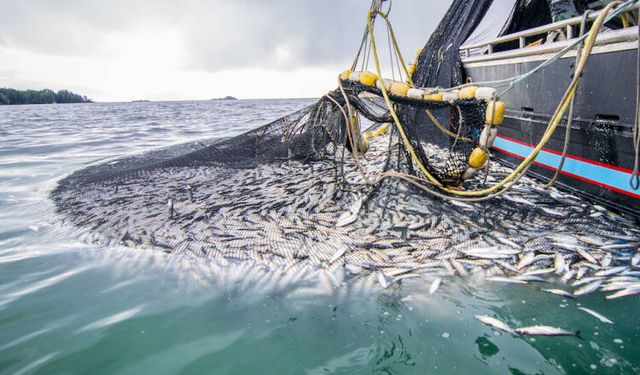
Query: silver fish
[
  {"x": 346, "y": 218},
  {"x": 493, "y": 323},
  {"x": 434, "y": 286},
  {"x": 586, "y": 255},
  {"x": 508, "y": 280},
  {"x": 526, "y": 260},
  {"x": 635, "y": 260},
  {"x": 508, "y": 242},
  {"x": 568, "y": 276},
  {"x": 545, "y": 331},
  {"x": 630, "y": 291},
  {"x": 606, "y": 261},
  {"x": 589, "y": 288},
  {"x": 559, "y": 292},
  {"x": 491, "y": 253},
  {"x": 459, "y": 268},
  {"x": 338, "y": 254},
  {"x": 558, "y": 263},
  {"x": 600, "y": 317},
  {"x": 611, "y": 271},
  {"x": 382, "y": 280}
]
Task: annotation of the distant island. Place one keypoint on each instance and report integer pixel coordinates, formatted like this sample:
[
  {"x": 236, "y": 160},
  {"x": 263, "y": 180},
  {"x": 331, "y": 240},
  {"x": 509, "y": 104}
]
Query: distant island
[
  {"x": 226, "y": 98},
  {"x": 46, "y": 96}
]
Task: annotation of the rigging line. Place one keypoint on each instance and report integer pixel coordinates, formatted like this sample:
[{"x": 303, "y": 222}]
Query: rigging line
[
  {"x": 590, "y": 40},
  {"x": 567, "y": 134},
  {"x": 634, "y": 182},
  {"x": 393, "y": 73},
  {"x": 518, "y": 78}
]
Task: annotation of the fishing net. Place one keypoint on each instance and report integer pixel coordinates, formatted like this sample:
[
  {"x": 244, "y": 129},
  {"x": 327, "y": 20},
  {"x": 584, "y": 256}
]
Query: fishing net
[
  {"x": 195, "y": 197},
  {"x": 320, "y": 185}
]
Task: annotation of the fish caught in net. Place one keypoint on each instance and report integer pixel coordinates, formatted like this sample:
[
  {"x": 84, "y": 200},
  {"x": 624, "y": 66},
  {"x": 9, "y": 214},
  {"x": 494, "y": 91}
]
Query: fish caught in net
[{"x": 338, "y": 185}]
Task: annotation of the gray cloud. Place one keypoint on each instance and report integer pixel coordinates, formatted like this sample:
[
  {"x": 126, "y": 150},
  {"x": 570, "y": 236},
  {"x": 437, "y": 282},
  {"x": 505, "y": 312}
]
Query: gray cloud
[{"x": 276, "y": 34}]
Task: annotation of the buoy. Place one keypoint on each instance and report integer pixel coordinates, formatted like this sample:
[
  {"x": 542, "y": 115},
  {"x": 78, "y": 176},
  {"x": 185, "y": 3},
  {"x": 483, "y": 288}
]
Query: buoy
[
  {"x": 478, "y": 158},
  {"x": 469, "y": 173},
  {"x": 354, "y": 76},
  {"x": 488, "y": 136},
  {"x": 415, "y": 94},
  {"x": 399, "y": 88},
  {"x": 450, "y": 96},
  {"x": 496, "y": 118},
  {"x": 368, "y": 79},
  {"x": 345, "y": 75},
  {"x": 433, "y": 97},
  {"x": 411, "y": 69},
  {"x": 386, "y": 83},
  {"x": 485, "y": 93},
  {"x": 467, "y": 93}
]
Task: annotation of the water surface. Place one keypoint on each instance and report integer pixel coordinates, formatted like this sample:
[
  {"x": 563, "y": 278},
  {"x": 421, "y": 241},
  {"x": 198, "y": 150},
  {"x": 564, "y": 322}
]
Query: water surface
[{"x": 67, "y": 306}]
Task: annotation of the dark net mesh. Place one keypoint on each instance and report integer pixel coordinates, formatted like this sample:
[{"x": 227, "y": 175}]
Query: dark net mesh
[{"x": 309, "y": 186}]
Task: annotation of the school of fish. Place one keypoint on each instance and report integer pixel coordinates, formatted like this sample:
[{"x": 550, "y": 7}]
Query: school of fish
[{"x": 301, "y": 213}]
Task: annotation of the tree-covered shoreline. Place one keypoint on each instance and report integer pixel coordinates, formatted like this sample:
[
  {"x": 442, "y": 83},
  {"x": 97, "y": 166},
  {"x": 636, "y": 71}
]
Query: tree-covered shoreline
[{"x": 46, "y": 96}]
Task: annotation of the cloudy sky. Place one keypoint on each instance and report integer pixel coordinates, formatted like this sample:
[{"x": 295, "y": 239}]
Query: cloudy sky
[{"x": 113, "y": 50}]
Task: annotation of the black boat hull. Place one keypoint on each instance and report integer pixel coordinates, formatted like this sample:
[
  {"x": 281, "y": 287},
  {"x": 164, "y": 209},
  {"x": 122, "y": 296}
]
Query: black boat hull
[{"x": 600, "y": 153}]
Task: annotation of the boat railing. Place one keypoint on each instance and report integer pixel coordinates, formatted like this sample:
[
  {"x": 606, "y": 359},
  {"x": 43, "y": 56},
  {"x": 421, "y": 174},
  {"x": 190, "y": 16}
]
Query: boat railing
[{"x": 486, "y": 47}]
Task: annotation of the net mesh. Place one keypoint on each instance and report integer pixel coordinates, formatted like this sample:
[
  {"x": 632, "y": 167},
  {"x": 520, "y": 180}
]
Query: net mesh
[
  {"x": 296, "y": 189},
  {"x": 314, "y": 152}
]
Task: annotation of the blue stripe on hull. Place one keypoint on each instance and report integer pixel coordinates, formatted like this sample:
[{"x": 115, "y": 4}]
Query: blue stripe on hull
[{"x": 600, "y": 175}]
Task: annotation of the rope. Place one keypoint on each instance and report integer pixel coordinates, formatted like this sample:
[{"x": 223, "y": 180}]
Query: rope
[
  {"x": 634, "y": 182},
  {"x": 567, "y": 135},
  {"x": 589, "y": 42}
]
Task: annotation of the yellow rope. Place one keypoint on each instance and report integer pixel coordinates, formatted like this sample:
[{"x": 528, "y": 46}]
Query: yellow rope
[
  {"x": 555, "y": 120},
  {"x": 392, "y": 111}
]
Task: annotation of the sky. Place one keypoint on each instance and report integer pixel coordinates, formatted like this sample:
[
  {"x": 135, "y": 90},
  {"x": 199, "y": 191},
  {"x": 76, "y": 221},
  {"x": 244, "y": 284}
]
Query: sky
[{"x": 119, "y": 50}]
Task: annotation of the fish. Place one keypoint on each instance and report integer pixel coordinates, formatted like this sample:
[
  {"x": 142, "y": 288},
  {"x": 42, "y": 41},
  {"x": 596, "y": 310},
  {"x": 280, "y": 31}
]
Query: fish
[
  {"x": 559, "y": 292},
  {"x": 338, "y": 254},
  {"x": 568, "y": 276},
  {"x": 490, "y": 253},
  {"x": 530, "y": 278},
  {"x": 635, "y": 260},
  {"x": 526, "y": 260},
  {"x": 589, "y": 288},
  {"x": 630, "y": 291},
  {"x": 586, "y": 255},
  {"x": 434, "y": 286},
  {"x": 554, "y": 213},
  {"x": 494, "y": 323},
  {"x": 600, "y": 317},
  {"x": 508, "y": 242},
  {"x": 463, "y": 205},
  {"x": 611, "y": 271},
  {"x": 507, "y": 280},
  {"x": 559, "y": 264},
  {"x": 606, "y": 261},
  {"x": 545, "y": 331},
  {"x": 382, "y": 280},
  {"x": 459, "y": 268},
  {"x": 346, "y": 218},
  {"x": 541, "y": 271}
]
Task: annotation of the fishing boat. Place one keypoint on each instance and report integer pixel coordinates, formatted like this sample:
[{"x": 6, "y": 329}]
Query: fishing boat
[{"x": 513, "y": 37}]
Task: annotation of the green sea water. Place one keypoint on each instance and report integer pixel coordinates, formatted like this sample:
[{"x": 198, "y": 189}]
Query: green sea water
[{"x": 70, "y": 307}]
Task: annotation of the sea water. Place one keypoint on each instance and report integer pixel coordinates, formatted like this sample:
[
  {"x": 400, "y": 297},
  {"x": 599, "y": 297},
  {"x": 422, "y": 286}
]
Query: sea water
[{"x": 68, "y": 306}]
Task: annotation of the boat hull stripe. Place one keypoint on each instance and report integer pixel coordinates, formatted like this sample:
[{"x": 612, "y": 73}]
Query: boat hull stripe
[{"x": 599, "y": 174}]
